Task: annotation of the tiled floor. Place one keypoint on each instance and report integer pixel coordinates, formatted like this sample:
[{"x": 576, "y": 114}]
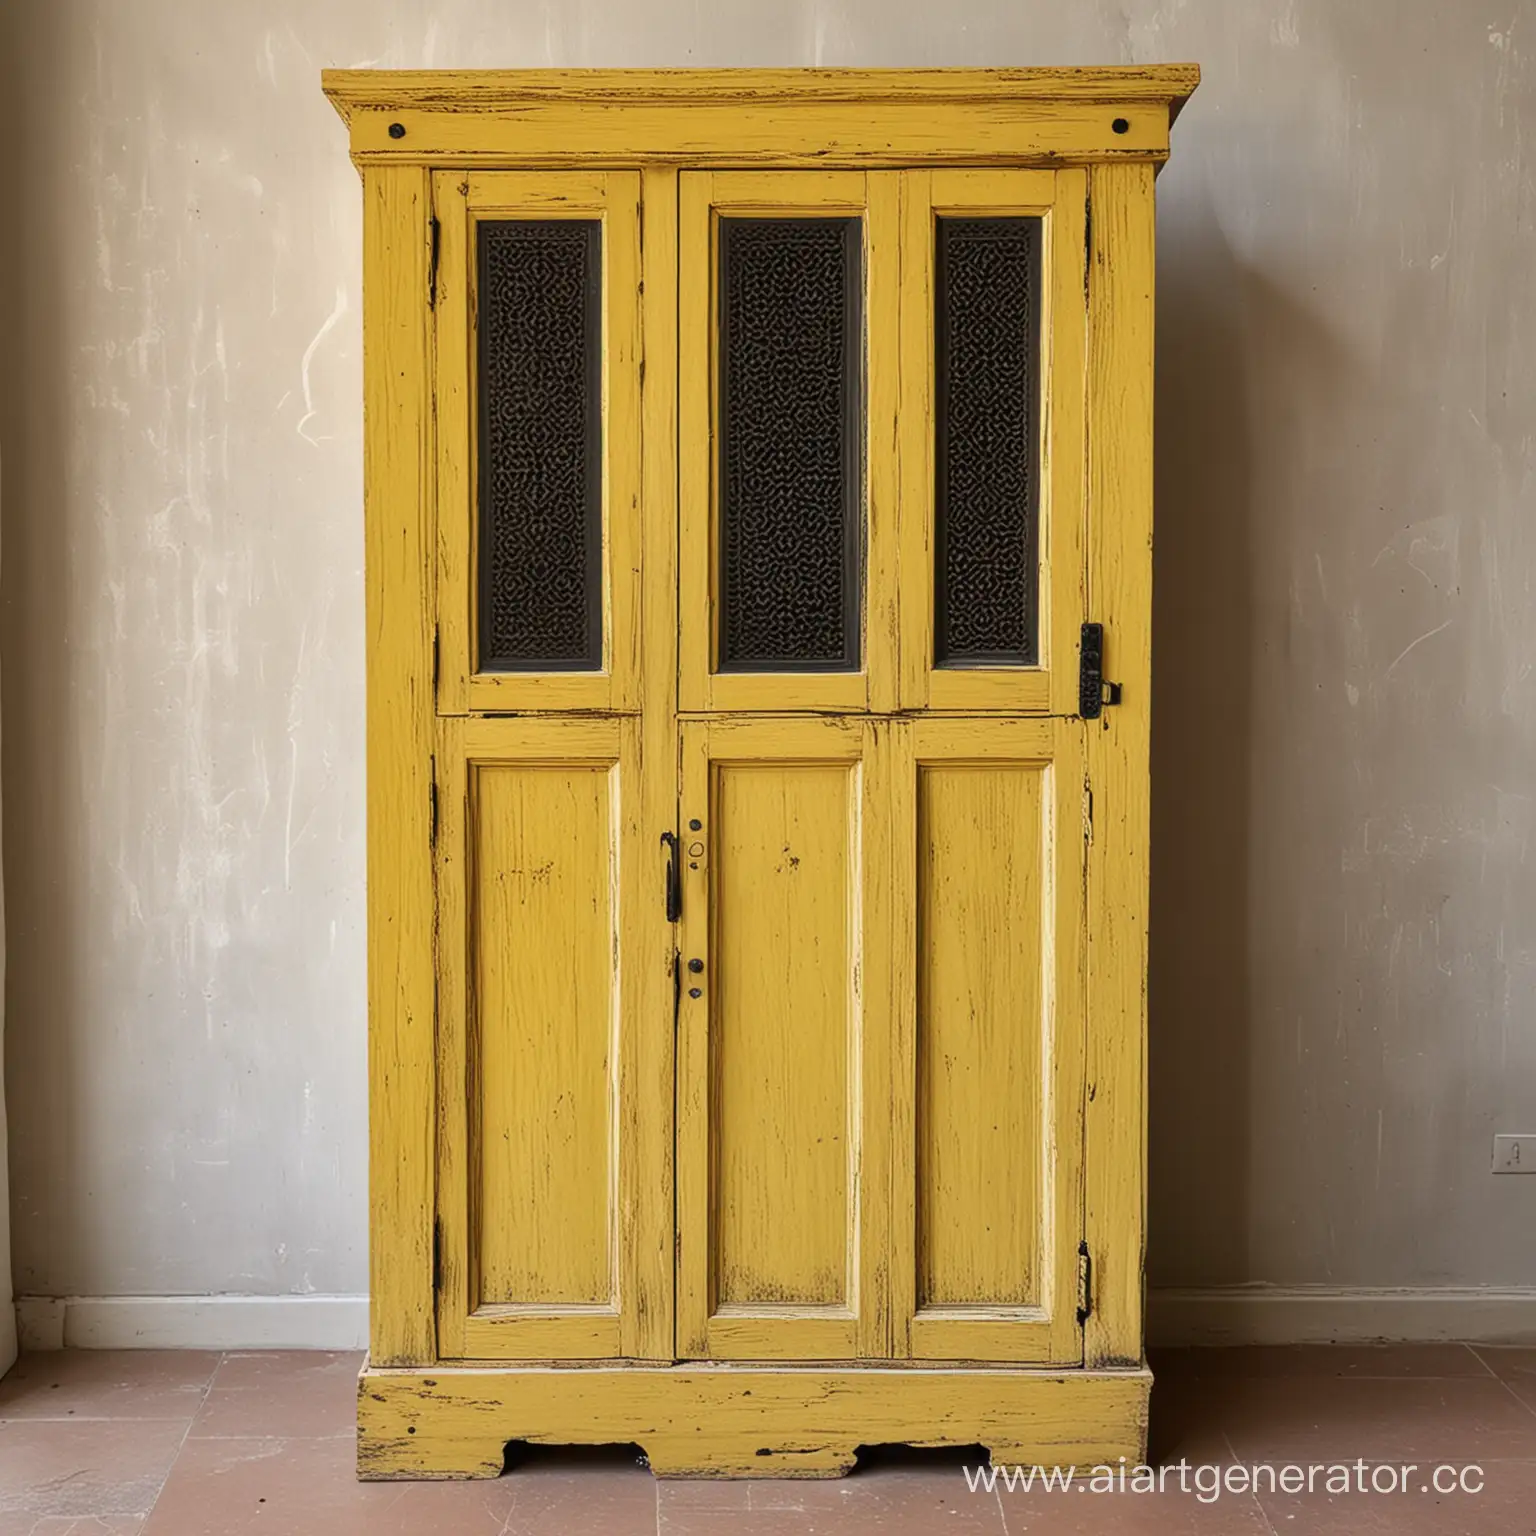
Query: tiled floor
[{"x": 166, "y": 1444}]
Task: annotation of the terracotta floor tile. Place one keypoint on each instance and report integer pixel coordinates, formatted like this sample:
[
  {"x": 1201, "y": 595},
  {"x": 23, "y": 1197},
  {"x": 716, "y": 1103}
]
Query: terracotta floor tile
[
  {"x": 919, "y": 1499},
  {"x": 1311, "y": 1361},
  {"x": 88, "y": 1525},
  {"x": 1515, "y": 1367},
  {"x": 685, "y": 1496},
  {"x": 582, "y": 1491},
  {"x": 1131, "y": 1514},
  {"x": 227, "y": 1487},
  {"x": 1410, "y": 1420},
  {"x": 83, "y": 1466},
  {"x": 281, "y": 1393},
  {"x": 1506, "y": 1506},
  {"x": 107, "y": 1384}
]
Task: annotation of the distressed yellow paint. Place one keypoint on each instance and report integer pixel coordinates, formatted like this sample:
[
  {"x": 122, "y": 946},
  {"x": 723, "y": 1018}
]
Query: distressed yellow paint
[
  {"x": 1121, "y": 279},
  {"x": 397, "y": 447},
  {"x": 981, "y": 889},
  {"x": 780, "y": 1077},
  {"x": 714, "y": 1421},
  {"x": 540, "y": 1116},
  {"x": 914, "y": 1079}
]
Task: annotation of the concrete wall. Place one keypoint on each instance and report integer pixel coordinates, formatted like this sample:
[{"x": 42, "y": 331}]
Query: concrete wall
[{"x": 1345, "y": 909}]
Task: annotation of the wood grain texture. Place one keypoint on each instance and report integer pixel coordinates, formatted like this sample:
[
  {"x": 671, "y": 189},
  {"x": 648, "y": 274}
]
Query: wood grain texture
[
  {"x": 1120, "y": 587},
  {"x": 743, "y": 1421},
  {"x": 399, "y": 605}
]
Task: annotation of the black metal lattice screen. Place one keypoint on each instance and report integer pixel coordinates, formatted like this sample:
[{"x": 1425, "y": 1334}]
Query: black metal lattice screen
[
  {"x": 987, "y": 376},
  {"x": 791, "y": 444},
  {"x": 539, "y": 306}
]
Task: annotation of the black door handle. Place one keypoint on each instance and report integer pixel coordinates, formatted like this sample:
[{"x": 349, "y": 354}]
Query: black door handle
[{"x": 674, "y": 878}]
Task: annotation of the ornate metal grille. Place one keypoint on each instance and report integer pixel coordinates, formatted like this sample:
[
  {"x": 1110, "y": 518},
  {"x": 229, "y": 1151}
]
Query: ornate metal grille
[
  {"x": 987, "y": 321},
  {"x": 791, "y": 444},
  {"x": 540, "y": 383}
]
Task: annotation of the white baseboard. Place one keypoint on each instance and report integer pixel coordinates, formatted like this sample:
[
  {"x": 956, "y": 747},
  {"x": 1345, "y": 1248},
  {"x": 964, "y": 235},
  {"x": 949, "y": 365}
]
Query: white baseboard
[
  {"x": 1219, "y": 1315},
  {"x": 193, "y": 1322},
  {"x": 1318, "y": 1314}
]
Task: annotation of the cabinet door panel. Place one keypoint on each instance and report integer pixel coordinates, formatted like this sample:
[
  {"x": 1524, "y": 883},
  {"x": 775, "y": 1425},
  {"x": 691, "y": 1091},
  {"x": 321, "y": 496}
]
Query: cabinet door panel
[
  {"x": 537, "y": 320},
  {"x": 781, "y": 1136},
  {"x": 544, "y": 1226},
  {"x": 990, "y": 439},
  {"x": 989, "y": 1102},
  {"x": 787, "y": 341}
]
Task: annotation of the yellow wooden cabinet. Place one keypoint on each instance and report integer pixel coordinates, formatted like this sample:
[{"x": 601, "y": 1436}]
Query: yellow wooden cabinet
[{"x": 758, "y": 492}]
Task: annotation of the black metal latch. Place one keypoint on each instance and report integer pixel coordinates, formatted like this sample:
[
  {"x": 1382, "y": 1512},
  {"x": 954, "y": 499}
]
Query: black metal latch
[
  {"x": 1093, "y": 693},
  {"x": 674, "y": 885}
]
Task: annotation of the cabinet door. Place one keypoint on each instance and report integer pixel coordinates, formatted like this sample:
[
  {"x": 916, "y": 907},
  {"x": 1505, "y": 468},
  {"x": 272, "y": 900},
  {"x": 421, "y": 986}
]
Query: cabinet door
[
  {"x": 783, "y": 1056},
  {"x": 990, "y": 861},
  {"x": 537, "y": 318},
  {"x": 991, "y": 439},
  {"x": 551, "y": 992}
]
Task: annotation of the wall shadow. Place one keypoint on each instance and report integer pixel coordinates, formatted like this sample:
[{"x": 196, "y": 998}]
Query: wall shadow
[{"x": 1201, "y": 743}]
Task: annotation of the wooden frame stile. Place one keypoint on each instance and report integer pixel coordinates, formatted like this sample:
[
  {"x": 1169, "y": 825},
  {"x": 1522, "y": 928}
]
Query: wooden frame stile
[
  {"x": 397, "y": 416},
  {"x": 1120, "y": 301}
]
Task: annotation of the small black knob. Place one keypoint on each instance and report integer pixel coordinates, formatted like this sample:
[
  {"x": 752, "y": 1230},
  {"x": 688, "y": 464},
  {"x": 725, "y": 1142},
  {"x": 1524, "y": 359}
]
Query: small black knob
[
  {"x": 695, "y": 824},
  {"x": 397, "y": 130},
  {"x": 1121, "y": 125},
  {"x": 694, "y": 992},
  {"x": 695, "y": 966}
]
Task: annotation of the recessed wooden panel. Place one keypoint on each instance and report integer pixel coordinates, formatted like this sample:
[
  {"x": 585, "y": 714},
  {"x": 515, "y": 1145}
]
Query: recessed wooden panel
[
  {"x": 784, "y": 862},
  {"x": 543, "y": 848},
  {"x": 981, "y": 888},
  {"x": 783, "y": 1096}
]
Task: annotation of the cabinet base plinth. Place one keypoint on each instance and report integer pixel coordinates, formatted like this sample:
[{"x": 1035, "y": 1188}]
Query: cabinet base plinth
[{"x": 742, "y": 1420}]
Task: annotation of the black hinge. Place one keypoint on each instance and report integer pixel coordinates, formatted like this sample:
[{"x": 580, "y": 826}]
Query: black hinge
[
  {"x": 432, "y": 806},
  {"x": 1084, "y": 1283},
  {"x": 437, "y": 243},
  {"x": 1093, "y": 693}
]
